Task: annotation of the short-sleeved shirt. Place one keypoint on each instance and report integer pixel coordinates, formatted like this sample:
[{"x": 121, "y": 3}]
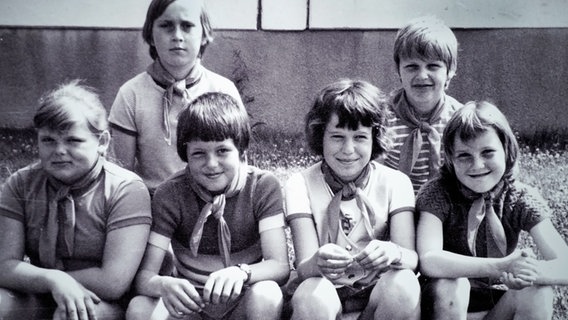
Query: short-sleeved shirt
[
  {"x": 256, "y": 208},
  {"x": 389, "y": 192},
  {"x": 523, "y": 208},
  {"x": 137, "y": 110},
  {"x": 117, "y": 198},
  {"x": 421, "y": 170}
]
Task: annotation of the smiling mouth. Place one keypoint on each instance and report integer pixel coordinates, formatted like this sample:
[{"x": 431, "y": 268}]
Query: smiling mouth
[
  {"x": 479, "y": 175},
  {"x": 213, "y": 175}
]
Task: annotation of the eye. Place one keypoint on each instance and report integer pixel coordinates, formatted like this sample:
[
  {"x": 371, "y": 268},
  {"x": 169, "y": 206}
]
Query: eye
[
  {"x": 463, "y": 157},
  {"x": 187, "y": 26},
  {"x": 361, "y": 137},
  {"x": 46, "y": 140},
  {"x": 223, "y": 151},
  {"x": 196, "y": 154},
  {"x": 165, "y": 25},
  {"x": 490, "y": 153},
  {"x": 434, "y": 66}
]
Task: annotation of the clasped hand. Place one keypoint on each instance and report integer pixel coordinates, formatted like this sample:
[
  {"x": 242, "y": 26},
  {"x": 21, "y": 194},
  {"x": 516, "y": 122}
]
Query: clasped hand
[
  {"x": 522, "y": 270},
  {"x": 180, "y": 297},
  {"x": 333, "y": 260}
]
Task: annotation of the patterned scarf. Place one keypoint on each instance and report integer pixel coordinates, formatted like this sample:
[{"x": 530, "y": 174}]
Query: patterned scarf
[
  {"x": 215, "y": 205},
  {"x": 411, "y": 147},
  {"x": 57, "y": 236},
  {"x": 483, "y": 207},
  {"x": 173, "y": 87},
  {"x": 346, "y": 191}
]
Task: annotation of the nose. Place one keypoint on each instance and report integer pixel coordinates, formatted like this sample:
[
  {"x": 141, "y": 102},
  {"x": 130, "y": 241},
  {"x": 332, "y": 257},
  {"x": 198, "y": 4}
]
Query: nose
[
  {"x": 60, "y": 148},
  {"x": 422, "y": 73},
  {"x": 478, "y": 163},
  {"x": 348, "y": 146},
  {"x": 177, "y": 35},
  {"x": 211, "y": 161}
]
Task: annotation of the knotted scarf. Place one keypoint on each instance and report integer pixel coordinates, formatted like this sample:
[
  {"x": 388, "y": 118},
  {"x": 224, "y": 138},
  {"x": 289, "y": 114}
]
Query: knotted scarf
[
  {"x": 410, "y": 149},
  {"x": 215, "y": 205},
  {"x": 483, "y": 207},
  {"x": 58, "y": 231},
  {"x": 346, "y": 191},
  {"x": 173, "y": 87}
]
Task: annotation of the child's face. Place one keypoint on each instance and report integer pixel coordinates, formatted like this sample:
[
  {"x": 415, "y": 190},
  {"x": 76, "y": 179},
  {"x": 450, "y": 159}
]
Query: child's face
[
  {"x": 479, "y": 163},
  {"x": 347, "y": 151},
  {"x": 213, "y": 164},
  {"x": 69, "y": 155},
  {"x": 424, "y": 82},
  {"x": 177, "y": 35}
]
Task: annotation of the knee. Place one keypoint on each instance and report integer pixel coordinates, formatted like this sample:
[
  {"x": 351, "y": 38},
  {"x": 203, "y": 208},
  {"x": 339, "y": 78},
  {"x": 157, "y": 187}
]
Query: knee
[
  {"x": 13, "y": 304},
  {"x": 448, "y": 296},
  {"x": 535, "y": 302},
  {"x": 140, "y": 307},
  {"x": 396, "y": 295},
  {"x": 315, "y": 298},
  {"x": 266, "y": 293}
]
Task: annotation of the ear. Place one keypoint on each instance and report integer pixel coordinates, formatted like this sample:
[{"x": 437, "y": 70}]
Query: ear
[{"x": 104, "y": 142}]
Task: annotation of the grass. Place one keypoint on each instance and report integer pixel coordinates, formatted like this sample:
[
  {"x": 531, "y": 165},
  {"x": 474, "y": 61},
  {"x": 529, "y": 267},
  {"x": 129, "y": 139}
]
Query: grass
[{"x": 543, "y": 164}]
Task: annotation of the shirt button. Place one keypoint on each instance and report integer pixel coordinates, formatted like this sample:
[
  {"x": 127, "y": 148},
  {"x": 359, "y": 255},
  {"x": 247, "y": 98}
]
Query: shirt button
[{"x": 348, "y": 248}]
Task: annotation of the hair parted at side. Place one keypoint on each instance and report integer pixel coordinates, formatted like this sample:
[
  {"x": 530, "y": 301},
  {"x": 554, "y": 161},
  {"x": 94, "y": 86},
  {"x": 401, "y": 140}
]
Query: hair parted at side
[
  {"x": 355, "y": 103},
  {"x": 59, "y": 109},
  {"x": 213, "y": 116},
  {"x": 157, "y": 8},
  {"x": 474, "y": 118},
  {"x": 427, "y": 37}
]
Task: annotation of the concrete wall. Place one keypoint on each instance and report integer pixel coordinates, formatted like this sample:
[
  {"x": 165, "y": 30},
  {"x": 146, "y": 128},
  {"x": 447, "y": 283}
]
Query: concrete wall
[{"x": 282, "y": 52}]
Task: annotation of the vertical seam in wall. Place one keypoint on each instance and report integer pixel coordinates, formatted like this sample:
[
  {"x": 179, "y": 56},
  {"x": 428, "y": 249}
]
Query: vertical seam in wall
[
  {"x": 307, "y": 14},
  {"x": 259, "y": 16}
]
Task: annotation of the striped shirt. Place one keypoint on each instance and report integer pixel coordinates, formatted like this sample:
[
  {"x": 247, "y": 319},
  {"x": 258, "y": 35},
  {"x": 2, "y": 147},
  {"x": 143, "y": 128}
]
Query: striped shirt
[{"x": 400, "y": 131}]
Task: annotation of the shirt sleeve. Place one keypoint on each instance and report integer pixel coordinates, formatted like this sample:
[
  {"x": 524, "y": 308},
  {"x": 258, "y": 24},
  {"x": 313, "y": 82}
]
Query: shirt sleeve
[
  {"x": 129, "y": 206},
  {"x": 432, "y": 199},
  {"x": 297, "y": 202},
  {"x": 402, "y": 194},
  {"x": 268, "y": 202},
  {"x": 531, "y": 208},
  {"x": 122, "y": 113},
  {"x": 12, "y": 198},
  {"x": 165, "y": 214}
]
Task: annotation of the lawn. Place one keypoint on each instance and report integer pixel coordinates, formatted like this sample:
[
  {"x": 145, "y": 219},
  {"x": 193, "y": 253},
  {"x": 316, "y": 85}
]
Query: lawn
[{"x": 543, "y": 164}]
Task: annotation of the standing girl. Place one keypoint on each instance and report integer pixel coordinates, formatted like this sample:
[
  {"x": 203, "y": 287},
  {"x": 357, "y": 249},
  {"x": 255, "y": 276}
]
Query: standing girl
[
  {"x": 352, "y": 218},
  {"x": 80, "y": 219},
  {"x": 144, "y": 114},
  {"x": 470, "y": 220}
]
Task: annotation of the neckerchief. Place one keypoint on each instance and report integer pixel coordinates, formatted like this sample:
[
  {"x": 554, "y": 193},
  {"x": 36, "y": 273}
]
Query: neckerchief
[
  {"x": 173, "y": 87},
  {"x": 215, "y": 205},
  {"x": 483, "y": 207},
  {"x": 411, "y": 146},
  {"x": 346, "y": 191},
  {"x": 58, "y": 233}
]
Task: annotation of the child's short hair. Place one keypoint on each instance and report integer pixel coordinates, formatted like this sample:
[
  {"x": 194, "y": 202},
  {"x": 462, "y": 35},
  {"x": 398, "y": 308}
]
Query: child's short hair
[
  {"x": 427, "y": 38},
  {"x": 472, "y": 119},
  {"x": 157, "y": 8},
  {"x": 355, "y": 103},
  {"x": 58, "y": 108},
  {"x": 213, "y": 116}
]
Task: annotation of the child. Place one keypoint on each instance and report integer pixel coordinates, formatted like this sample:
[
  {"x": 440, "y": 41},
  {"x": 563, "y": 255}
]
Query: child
[
  {"x": 425, "y": 53},
  {"x": 228, "y": 264},
  {"x": 144, "y": 114},
  {"x": 81, "y": 220},
  {"x": 471, "y": 217},
  {"x": 352, "y": 218}
]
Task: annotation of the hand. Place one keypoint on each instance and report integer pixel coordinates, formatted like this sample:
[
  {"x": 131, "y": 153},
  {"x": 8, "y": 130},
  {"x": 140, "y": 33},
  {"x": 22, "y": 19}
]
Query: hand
[
  {"x": 74, "y": 302},
  {"x": 378, "y": 255},
  {"x": 522, "y": 265},
  {"x": 333, "y": 260},
  {"x": 224, "y": 285},
  {"x": 180, "y": 297},
  {"x": 511, "y": 282}
]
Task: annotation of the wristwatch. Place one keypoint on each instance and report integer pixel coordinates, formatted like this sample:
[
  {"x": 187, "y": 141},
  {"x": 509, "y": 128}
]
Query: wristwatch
[{"x": 246, "y": 269}]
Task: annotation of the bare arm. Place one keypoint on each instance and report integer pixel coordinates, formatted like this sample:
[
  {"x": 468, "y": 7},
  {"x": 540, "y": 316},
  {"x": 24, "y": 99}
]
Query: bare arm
[
  {"x": 437, "y": 263},
  {"x": 123, "y": 252},
  {"x": 123, "y": 149},
  {"x": 551, "y": 271}
]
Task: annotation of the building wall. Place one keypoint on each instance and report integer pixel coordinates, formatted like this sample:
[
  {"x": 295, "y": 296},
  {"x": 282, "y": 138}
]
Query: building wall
[{"x": 281, "y": 53}]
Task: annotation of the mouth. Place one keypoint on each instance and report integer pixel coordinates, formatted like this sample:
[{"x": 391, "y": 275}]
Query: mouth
[
  {"x": 347, "y": 161},
  {"x": 479, "y": 175},
  {"x": 177, "y": 49},
  {"x": 421, "y": 86},
  {"x": 213, "y": 175}
]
